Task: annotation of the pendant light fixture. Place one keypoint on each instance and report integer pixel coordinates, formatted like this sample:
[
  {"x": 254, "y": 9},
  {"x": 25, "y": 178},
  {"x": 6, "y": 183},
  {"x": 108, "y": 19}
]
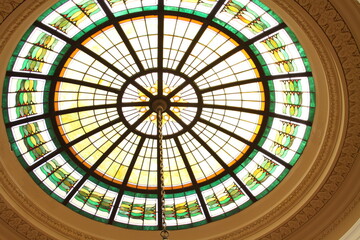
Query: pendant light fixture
[{"x": 159, "y": 106}]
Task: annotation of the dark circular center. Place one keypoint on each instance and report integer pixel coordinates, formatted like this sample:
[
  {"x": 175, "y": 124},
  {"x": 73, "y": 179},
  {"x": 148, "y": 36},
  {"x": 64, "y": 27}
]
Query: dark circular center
[{"x": 159, "y": 104}]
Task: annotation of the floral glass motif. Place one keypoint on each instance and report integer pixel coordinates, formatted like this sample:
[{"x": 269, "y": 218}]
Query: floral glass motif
[
  {"x": 75, "y": 15},
  {"x": 94, "y": 199},
  {"x": 182, "y": 210},
  {"x": 58, "y": 175},
  {"x": 33, "y": 140},
  {"x": 292, "y": 97},
  {"x": 25, "y": 98},
  {"x": 137, "y": 211},
  {"x": 260, "y": 175},
  {"x": 223, "y": 198},
  {"x": 36, "y": 57},
  {"x": 244, "y": 13},
  {"x": 78, "y": 94}
]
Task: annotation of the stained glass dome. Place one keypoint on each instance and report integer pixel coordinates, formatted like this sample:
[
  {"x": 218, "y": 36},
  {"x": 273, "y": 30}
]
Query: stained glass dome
[{"x": 78, "y": 101}]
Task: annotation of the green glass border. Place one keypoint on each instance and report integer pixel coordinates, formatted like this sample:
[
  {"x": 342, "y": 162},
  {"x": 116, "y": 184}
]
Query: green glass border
[
  {"x": 51, "y": 9},
  {"x": 87, "y": 29},
  {"x": 230, "y": 28},
  {"x": 4, "y": 104},
  {"x": 262, "y": 194},
  {"x": 186, "y": 10},
  {"x": 134, "y": 10},
  {"x": 233, "y": 211},
  {"x": 154, "y": 196}
]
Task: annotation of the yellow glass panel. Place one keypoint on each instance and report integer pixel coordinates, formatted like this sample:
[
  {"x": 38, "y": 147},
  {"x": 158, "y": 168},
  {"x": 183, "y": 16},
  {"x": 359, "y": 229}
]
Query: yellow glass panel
[
  {"x": 175, "y": 178},
  {"x": 64, "y": 86},
  {"x": 197, "y": 172},
  {"x": 121, "y": 172},
  {"x": 143, "y": 179},
  {"x": 66, "y": 118},
  {"x": 184, "y": 175},
  {"x": 104, "y": 166},
  {"x": 94, "y": 157},
  {"x": 69, "y": 127},
  {"x": 67, "y": 96},
  {"x": 87, "y": 152},
  {"x": 95, "y": 47},
  {"x": 75, "y": 134},
  {"x": 105, "y": 146},
  {"x": 67, "y": 105},
  {"x": 119, "y": 157},
  {"x": 113, "y": 169},
  {"x": 82, "y": 145},
  {"x": 134, "y": 176},
  {"x": 90, "y": 127},
  {"x": 152, "y": 178},
  {"x": 88, "y": 120}
]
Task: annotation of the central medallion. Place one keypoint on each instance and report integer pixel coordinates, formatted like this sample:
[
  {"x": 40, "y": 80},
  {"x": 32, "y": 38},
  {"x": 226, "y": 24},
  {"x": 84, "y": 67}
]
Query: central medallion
[
  {"x": 144, "y": 96},
  {"x": 159, "y": 104}
]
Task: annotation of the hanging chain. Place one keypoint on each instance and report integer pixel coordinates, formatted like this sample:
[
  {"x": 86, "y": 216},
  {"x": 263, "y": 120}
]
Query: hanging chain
[{"x": 164, "y": 233}]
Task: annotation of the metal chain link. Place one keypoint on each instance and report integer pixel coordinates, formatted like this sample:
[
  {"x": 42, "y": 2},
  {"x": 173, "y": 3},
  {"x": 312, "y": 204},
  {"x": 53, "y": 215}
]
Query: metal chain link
[{"x": 164, "y": 233}]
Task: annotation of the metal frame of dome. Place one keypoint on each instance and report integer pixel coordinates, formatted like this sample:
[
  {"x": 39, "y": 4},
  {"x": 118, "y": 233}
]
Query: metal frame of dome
[{"x": 198, "y": 187}]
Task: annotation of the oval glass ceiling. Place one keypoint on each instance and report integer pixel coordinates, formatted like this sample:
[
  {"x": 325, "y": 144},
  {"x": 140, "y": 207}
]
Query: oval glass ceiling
[{"x": 78, "y": 100}]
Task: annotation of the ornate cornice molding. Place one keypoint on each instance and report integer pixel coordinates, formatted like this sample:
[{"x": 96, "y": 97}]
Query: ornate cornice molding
[
  {"x": 338, "y": 33},
  {"x": 7, "y": 7},
  {"x": 341, "y": 218},
  {"x": 340, "y": 37},
  {"x": 7, "y": 213},
  {"x": 18, "y": 224}
]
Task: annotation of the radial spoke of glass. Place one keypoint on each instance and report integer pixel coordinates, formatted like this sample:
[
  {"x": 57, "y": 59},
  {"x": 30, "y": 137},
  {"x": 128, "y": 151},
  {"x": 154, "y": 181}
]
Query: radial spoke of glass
[
  {"x": 254, "y": 145},
  {"x": 141, "y": 88},
  {"x": 248, "y": 110},
  {"x": 76, "y": 44},
  {"x": 94, "y": 167},
  {"x": 229, "y": 85},
  {"x": 160, "y": 47},
  {"x": 213, "y": 106},
  {"x": 104, "y": 156},
  {"x": 137, "y": 85},
  {"x": 205, "y": 69},
  {"x": 62, "y": 79},
  {"x": 289, "y": 118},
  {"x": 69, "y": 144},
  {"x": 135, "y": 104},
  {"x": 27, "y": 119},
  {"x": 254, "y": 80},
  {"x": 240, "y": 109},
  {"x": 225, "y": 56},
  {"x": 196, "y": 39},
  {"x": 141, "y": 119},
  {"x": 227, "y": 132},
  {"x": 126, "y": 180},
  {"x": 192, "y": 177},
  {"x": 86, "y": 108},
  {"x": 122, "y": 34},
  {"x": 216, "y": 156},
  {"x": 224, "y": 166}
]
